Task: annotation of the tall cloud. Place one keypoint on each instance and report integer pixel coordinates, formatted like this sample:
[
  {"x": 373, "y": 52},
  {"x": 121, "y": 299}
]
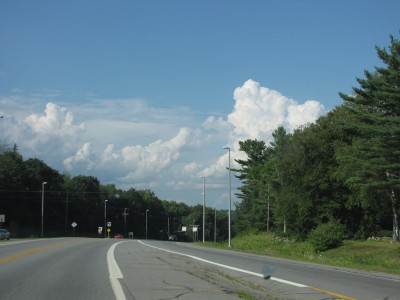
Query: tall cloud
[
  {"x": 257, "y": 112},
  {"x": 52, "y": 134}
]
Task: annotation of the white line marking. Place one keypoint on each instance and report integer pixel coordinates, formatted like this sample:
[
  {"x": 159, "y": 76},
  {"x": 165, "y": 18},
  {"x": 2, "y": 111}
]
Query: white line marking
[
  {"x": 226, "y": 266},
  {"x": 115, "y": 273}
]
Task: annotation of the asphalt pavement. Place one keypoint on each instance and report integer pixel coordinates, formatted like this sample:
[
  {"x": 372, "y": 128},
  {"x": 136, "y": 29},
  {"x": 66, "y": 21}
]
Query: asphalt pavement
[{"x": 84, "y": 268}]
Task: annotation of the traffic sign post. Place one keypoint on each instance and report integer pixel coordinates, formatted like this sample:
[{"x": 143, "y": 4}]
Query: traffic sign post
[
  {"x": 2, "y": 220},
  {"x": 74, "y": 224}
]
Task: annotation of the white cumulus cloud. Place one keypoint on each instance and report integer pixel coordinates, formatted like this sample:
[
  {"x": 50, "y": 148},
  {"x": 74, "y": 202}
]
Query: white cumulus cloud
[
  {"x": 51, "y": 134},
  {"x": 258, "y": 111},
  {"x": 135, "y": 163},
  {"x": 84, "y": 155}
]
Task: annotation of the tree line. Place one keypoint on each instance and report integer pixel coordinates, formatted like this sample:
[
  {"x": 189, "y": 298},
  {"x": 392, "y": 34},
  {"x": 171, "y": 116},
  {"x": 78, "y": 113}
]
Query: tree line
[
  {"x": 82, "y": 199},
  {"x": 344, "y": 168}
]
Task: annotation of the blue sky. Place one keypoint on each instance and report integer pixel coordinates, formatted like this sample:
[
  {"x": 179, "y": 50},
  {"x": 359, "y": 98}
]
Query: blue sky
[{"x": 145, "y": 94}]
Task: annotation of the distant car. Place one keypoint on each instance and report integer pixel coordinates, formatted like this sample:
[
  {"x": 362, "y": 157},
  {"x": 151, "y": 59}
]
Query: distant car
[
  {"x": 4, "y": 234},
  {"x": 118, "y": 236},
  {"x": 173, "y": 237}
]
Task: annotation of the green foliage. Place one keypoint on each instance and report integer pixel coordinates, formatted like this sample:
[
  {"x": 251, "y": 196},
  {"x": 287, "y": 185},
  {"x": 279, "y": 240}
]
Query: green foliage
[
  {"x": 327, "y": 236},
  {"x": 11, "y": 170},
  {"x": 371, "y": 157},
  {"x": 252, "y": 209}
]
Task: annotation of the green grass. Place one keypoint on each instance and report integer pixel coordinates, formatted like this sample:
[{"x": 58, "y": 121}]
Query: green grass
[
  {"x": 244, "y": 295},
  {"x": 380, "y": 256}
]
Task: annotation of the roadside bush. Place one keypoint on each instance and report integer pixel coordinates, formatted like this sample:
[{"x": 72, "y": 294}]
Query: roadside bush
[
  {"x": 327, "y": 236},
  {"x": 384, "y": 233}
]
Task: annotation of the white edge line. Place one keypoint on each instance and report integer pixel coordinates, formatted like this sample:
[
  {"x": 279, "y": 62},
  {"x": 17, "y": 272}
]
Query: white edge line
[
  {"x": 226, "y": 266},
  {"x": 115, "y": 273}
]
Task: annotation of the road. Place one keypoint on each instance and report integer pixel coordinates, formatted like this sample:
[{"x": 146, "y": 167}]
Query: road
[{"x": 82, "y": 268}]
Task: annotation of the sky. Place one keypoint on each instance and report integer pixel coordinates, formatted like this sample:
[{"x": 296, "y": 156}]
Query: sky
[{"x": 145, "y": 94}]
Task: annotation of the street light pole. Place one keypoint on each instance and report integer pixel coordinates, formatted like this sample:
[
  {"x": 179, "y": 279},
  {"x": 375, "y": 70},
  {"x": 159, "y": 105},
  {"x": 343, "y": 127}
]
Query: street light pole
[
  {"x": 147, "y": 210},
  {"x": 204, "y": 208},
  {"x": 230, "y": 195},
  {"x": 105, "y": 218},
  {"x": 215, "y": 224},
  {"x": 43, "y": 183},
  {"x": 268, "y": 216}
]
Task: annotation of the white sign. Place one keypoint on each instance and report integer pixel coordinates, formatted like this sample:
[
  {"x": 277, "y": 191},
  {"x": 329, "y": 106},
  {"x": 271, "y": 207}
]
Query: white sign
[
  {"x": 2, "y": 218},
  {"x": 100, "y": 230},
  {"x": 108, "y": 224},
  {"x": 183, "y": 228},
  {"x": 74, "y": 224}
]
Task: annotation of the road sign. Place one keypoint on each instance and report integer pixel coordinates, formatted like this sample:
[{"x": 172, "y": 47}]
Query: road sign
[
  {"x": 2, "y": 218},
  {"x": 99, "y": 230},
  {"x": 74, "y": 224},
  {"x": 108, "y": 224}
]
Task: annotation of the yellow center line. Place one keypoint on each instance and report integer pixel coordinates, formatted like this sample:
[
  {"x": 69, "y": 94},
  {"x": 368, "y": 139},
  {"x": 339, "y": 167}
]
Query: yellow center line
[
  {"x": 333, "y": 294},
  {"x": 28, "y": 252}
]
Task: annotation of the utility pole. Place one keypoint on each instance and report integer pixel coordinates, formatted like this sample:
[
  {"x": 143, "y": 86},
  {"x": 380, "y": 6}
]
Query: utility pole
[
  {"x": 66, "y": 214},
  {"x": 105, "y": 218},
  {"x": 147, "y": 210},
  {"x": 43, "y": 183},
  {"x": 204, "y": 208},
  {"x": 268, "y": 216},
  {"x": 230, "y": 196},
  {"x": 125, "y": 214},
  {"x": 215, "y": 224}
]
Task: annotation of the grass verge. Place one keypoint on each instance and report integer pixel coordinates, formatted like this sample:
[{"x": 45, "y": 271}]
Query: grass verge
[{"x": 378, "y": 256}]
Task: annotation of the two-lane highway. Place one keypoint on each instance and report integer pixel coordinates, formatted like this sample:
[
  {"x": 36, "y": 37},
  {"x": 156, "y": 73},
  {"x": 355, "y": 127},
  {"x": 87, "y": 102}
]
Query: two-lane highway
[{"x": 80, "y": 268}]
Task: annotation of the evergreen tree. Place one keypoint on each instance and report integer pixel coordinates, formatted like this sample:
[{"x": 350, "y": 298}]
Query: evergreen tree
[
  {"x": 252, "y": 210},
  {"x": 375, "y": 150}
]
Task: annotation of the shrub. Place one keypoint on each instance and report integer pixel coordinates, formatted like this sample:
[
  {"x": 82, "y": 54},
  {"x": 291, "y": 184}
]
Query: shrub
[
  {"x": 384, "y": 233},
  {"x": 327, "y": 236}
]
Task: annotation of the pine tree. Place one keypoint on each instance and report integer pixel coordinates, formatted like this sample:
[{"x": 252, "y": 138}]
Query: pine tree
[
  {"x": 252, "y": 210},
  {"x": 375, "y": 148}
]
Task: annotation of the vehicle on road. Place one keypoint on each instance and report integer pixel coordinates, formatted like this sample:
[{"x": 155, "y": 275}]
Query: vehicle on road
[
  {"x": 118, "y": 236},
  {"x": 4, "y": 234},
  {"x": 173, "y": 237}
]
